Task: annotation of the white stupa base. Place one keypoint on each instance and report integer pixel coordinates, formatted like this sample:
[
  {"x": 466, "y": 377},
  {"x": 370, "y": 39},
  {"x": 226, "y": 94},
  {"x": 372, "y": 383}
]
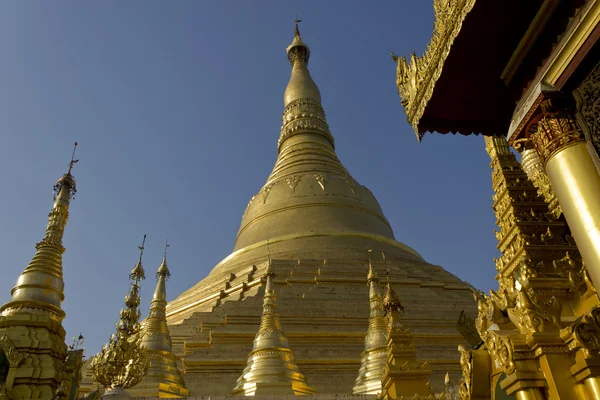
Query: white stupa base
[{"x": 116, "y": 393}]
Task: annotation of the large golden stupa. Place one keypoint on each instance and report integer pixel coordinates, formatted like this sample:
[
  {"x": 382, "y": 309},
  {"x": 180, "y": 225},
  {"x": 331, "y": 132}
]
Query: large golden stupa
[{"x": 314, "y": 225}]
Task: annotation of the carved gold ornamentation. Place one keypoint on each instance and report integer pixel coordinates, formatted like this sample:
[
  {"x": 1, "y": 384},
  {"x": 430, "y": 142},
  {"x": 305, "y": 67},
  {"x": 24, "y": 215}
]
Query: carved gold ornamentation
[
  {"x": 10, "y": 351},
  {"x": 501, "y": 349},
  {"x": 321, "y": 179},
  {"x": 532, "y": 316},
  {"x": 588, "y": 105},
  {"x": 464, "y": 385},
  {"x": 416, "y": 78},
  {"x": 586, "y": 332},
  {"x": 265, "y": 191},
  {"x": 302, "y": 115},
  {"x": 532, "y": 165},
  {"x": 293, "y": 181},
  {"x": 556, "y": 130}
]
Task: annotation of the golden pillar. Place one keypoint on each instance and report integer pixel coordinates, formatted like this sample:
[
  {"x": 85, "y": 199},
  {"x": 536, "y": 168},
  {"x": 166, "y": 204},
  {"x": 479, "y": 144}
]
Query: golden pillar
[
  {"x": 562, "y": 150},
  {"x": 592, "y": 386},
  {"x": 529, "y": 394}
]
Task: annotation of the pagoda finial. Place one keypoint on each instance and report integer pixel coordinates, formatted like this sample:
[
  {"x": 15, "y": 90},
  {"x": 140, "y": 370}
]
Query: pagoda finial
[
  {"x": 296, "y": 22},
  {"x": 163, "y": 270},
  {"x": 167, "y": 245},
  {"x": 73, "y": 160},
  {"x": 41, "y": 285},
  {"x": 138, "y": 274},
  {"x": 271, "y": 368}
]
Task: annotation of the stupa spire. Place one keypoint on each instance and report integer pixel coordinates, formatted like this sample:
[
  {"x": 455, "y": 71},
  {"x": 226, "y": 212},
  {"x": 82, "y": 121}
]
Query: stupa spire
[
  {"x": 163, "y": 378},
  {"x": 308, "y": 184},
  {"x": 123, "y": 362},
  {"x": 302, "y": 98},
  {"x": 41, "y": 284},
  {"x": 155, "y": 335},
  {"x": 271, "y": 368},
  {"x": 373, "y": 359}
]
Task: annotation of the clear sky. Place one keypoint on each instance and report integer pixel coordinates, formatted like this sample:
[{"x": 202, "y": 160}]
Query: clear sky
[{"x": 177, "y": 109}]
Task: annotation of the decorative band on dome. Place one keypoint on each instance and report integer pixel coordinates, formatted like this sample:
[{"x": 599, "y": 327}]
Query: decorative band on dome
[{"x": 304, "y": 116}]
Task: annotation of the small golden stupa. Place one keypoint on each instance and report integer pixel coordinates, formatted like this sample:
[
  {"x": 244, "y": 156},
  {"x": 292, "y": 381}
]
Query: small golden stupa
[{"x": 271, "y": 368}]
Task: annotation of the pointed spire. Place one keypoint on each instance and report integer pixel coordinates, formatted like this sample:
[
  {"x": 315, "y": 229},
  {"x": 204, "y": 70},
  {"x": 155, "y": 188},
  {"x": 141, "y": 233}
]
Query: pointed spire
[
  {"x": 271, "y": 368},
  {"x": 41, "y": 285},
  {"x": 302, "y": 98},
  {"x": 137, "y": 273},
  {"x": 373, "y": 359},
  {"x": 155, "y": 335},
  {"x": 123, "y": 362},
  {"x": 163, "y": 378}
]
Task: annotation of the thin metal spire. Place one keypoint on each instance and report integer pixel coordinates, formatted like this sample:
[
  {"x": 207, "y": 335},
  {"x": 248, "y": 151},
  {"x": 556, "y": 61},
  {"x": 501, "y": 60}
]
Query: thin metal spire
[
  {"x": 297, "y": 21},
  {"x": 167, "y": 245},
  {"x": 73, "y": 160},
  {"x": 138, "y": 271}
]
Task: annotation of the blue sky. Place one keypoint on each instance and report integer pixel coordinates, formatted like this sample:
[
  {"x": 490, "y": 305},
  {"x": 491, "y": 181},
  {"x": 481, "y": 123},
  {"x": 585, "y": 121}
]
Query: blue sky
[{"x": 177, "y": 109}]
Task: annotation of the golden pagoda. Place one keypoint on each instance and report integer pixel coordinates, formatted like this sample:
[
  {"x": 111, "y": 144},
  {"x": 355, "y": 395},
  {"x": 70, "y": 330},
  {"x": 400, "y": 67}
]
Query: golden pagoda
[
  {"x": 33, "y": 353},
  {"x": 163, "y": 379},
  {"x": 271, "y": 369},
  {"x": 318, "y": 221},
  {"x": 374, "y": 357},
  {"x": 123, "y": 362}
]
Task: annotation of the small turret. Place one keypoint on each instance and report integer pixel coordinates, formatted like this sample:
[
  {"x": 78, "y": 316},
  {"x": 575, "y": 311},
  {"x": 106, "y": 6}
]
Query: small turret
[
  {"x": 271, "y": 368},
  {"x": 374, "y": 357},
  {"x": 163, "y": 378}
]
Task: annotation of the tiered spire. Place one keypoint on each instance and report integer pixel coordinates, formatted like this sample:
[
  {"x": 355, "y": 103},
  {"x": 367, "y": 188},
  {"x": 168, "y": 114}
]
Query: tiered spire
[
  {"x": 271, "y": 368},
  {"x": 403, "y": 375},
  {"x": 302, "y": 98},
  {"x": 163, "y": 378},
  {"x": 374, "y": 357},
  {"x": 40, "y": 286},
  {"x": 308, "y": 184},
  {"x": 533, "y": 242},
  {"x": 123, "y": 362},
  {"x": 31, "y": 330}
]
